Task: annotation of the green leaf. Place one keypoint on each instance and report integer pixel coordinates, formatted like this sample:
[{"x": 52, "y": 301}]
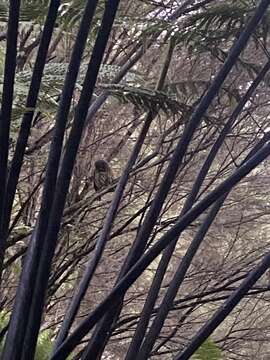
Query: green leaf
[{"x": 208, "y": 351}]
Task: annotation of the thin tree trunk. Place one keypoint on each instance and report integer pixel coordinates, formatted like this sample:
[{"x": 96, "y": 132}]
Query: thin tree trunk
[
  {"x": 6, "y": 111},
  {"x": 27, "y": 119},
  {"x": 63, "y": 180}
]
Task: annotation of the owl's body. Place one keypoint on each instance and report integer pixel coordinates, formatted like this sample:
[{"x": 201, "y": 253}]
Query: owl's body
[{"x": 102, "y": 175}]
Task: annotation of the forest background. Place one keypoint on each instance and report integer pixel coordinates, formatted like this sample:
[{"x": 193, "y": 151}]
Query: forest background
[{"x": 160, "y": 63}]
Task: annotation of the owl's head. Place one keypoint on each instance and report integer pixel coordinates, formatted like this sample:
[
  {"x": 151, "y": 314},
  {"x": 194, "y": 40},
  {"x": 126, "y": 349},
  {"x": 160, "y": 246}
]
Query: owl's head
[{"x": 101, "y": 165}]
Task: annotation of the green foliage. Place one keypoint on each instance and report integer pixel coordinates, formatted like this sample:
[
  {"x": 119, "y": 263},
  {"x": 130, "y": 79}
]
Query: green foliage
[
  {"x": 2, "y": 60},
  {"x": 44, "y": 346},
  {"x": 52, "y": 82},
  {"x": 4, "y": 319},
  {"x": 208, "y": 351},
  {"x": 145, "y": 99},
  {"x": 218, "y": 22},
  {"x": 186, "y": 87},
  {"x": 31, "y": 10}
]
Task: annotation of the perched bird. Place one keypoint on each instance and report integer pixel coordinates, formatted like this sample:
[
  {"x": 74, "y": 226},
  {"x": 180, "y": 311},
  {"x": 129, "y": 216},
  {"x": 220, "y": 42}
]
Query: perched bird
[{"x": 102, "y": 176}]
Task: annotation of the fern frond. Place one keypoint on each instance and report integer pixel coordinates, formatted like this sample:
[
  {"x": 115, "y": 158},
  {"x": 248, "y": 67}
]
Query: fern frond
[
  {"x": 219, "y": 22},
  {"x": 31, "y": 10},
  {"x": 34, "y": 11},
  {"x": 186, "y": 88},
  {"x": 145, "y": 99}
]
